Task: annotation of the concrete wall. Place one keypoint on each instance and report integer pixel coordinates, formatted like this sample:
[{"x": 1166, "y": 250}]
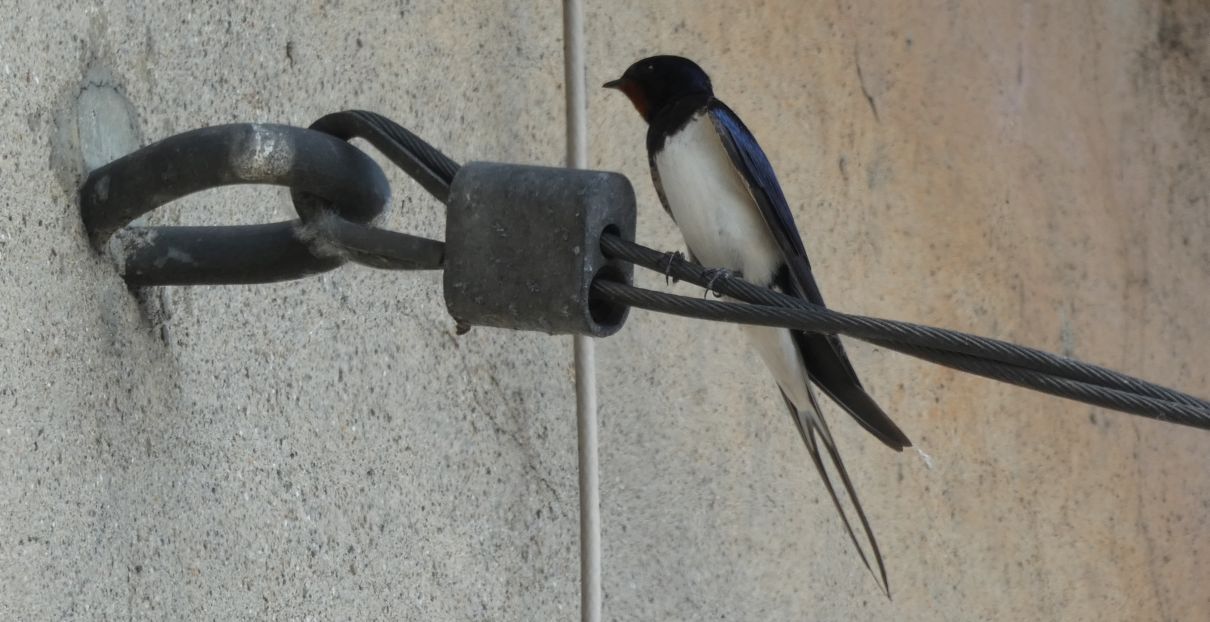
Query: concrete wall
[{"x": 327, "y": 449}]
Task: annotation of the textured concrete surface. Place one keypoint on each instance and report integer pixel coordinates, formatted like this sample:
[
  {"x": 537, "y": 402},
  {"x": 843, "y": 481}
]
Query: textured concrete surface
[{"x": 326, "y": 449}]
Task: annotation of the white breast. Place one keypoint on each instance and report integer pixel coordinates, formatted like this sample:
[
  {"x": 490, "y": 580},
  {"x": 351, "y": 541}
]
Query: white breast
[
  {"x": 723, "y": 228},
  {"x": 717, "y": 216}
]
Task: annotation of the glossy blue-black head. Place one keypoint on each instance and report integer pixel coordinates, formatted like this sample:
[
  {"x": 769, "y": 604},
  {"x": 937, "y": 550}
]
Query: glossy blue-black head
[{"x": 655, "y": 83}]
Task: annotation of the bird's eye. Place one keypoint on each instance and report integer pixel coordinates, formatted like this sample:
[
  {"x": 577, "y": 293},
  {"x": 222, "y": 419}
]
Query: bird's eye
[{"x": 650, "y": 67}]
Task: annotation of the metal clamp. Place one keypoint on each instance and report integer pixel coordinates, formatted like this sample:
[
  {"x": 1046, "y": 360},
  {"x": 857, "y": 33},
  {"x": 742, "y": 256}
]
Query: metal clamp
[{"x": 524, "y": 246}]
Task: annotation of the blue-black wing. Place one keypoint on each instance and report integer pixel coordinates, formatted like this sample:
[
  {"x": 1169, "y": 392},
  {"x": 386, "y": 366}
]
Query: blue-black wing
[{"x": 823, "y": 355}]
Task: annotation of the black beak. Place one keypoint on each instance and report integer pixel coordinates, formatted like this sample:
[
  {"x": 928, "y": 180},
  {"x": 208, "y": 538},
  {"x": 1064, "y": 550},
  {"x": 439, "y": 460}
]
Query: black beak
[{"x": 613, "y": 84}]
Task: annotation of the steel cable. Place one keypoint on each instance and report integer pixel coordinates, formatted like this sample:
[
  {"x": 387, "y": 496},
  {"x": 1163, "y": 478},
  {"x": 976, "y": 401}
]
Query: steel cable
[
  {"x": 800, "y": 319},
  {"x": 814, "y": 321},
  {"x": 870, "y": 329},
  {"x": 991, "y": 358},
  {"x": 421, "y": 161}
]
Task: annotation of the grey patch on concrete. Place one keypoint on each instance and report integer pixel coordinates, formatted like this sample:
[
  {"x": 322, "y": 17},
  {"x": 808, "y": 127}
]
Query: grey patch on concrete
[
  {"x": 96, "y": 127},
  {"x": 94, "y": 124},
  {"x": 106, "y": 120}
]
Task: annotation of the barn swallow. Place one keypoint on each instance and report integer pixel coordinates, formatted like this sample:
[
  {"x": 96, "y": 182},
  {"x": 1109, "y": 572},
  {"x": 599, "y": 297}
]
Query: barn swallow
[{"x": 719, "y": 188}]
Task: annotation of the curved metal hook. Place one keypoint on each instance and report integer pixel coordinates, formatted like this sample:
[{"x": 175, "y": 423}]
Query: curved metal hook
[{"x": 348, "y": 181}]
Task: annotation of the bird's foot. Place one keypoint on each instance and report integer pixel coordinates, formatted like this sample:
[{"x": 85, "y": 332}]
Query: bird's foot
[
  {"x": 674, "y": 256},
  {"x": 719, "y": 273}
]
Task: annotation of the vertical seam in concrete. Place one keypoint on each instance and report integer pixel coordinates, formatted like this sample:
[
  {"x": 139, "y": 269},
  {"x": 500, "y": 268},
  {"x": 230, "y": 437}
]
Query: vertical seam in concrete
[{"x": 583, "y": 347}]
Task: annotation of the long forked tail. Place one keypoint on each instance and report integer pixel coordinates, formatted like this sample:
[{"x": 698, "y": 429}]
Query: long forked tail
[{"x": 814, "y": 430}]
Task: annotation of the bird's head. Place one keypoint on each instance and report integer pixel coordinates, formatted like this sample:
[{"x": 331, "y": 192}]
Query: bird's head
[{"x": 655, "y": 83}]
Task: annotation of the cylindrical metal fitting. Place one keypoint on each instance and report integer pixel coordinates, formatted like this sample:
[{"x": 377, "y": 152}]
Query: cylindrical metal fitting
[{"x": 523, "y": 245}]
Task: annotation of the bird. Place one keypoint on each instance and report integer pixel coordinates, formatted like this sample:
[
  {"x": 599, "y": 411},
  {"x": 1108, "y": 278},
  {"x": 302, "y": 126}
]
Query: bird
[{"x": 717, "y": 184}]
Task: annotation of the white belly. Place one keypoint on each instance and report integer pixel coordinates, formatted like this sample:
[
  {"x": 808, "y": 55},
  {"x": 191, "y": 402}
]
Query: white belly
[
  {"x": 723, "y": 228},
  {"x": 721, "y": 224}
]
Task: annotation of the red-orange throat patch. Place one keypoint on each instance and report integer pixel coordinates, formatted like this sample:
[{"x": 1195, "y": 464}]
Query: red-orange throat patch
[{"x": 636, "y": 96}]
